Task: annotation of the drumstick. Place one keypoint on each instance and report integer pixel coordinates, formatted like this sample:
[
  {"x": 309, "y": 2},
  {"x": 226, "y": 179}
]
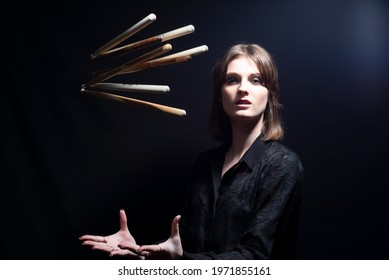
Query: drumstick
[
  {"x": 177, "y": 33},
  {"x": 132, "y": 87},
  {"x": 153, "y": 64},
  {"x": 189, "y": 52},
  {"x": 115, "y": 71},
  {"x": 129, "y": 32},
  {"x": 166, "y": 60},
  {"x": 166, "y": 109},
  {"x": 146, "y": 42},
  {"x": 154, "y": 53},
  {"x": 128, "y": 48}
]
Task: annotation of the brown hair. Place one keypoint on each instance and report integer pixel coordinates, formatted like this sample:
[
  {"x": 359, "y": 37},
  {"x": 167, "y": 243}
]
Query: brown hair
[{"x": 219, "y": 126}]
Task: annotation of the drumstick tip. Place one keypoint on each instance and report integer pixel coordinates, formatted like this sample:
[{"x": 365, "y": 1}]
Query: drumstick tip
[{"x": 152, "y": 17}]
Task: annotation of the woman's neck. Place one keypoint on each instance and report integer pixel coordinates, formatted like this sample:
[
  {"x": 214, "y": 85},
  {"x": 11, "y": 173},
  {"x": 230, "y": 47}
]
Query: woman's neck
[{"x": 243, "y": 136}]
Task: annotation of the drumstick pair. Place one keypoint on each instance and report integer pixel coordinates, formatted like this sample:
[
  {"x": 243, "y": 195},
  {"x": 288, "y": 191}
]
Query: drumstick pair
[{"x": 148, "y": 60}]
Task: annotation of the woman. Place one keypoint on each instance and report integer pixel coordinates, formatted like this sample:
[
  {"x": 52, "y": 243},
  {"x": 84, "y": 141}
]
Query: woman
[{"x": 243, "y": 197}]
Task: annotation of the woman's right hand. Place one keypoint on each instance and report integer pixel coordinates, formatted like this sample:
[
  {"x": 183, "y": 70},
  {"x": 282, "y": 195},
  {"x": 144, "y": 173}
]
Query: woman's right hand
[
  {"x": 170, "y": 249},
  {"x": 109, "y": 244}
]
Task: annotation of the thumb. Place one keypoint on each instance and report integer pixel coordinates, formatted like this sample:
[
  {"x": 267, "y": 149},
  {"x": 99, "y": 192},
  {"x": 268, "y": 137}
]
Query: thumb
[
  {"x": 175, "y": 230},
  {"x": 123, "y": 220}
]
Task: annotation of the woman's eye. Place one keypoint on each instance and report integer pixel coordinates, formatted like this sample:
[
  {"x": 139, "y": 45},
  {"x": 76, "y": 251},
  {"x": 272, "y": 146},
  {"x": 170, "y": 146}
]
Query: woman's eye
[
  {"x": 231, "y": 80},
  {"x": 257, "y": 80}
]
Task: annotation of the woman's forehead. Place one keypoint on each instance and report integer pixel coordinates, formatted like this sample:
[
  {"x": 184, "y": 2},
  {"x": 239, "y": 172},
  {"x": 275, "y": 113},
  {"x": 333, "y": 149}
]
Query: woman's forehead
[{"x": 242, "y": 63}]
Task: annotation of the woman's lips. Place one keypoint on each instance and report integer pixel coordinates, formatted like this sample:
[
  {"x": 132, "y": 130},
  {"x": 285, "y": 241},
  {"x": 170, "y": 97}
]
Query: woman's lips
[{"x": 242, "y": 102}]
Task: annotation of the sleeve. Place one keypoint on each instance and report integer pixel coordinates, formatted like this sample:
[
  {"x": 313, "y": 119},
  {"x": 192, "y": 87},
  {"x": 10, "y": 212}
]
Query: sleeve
[{"x": 271, "y": 227}]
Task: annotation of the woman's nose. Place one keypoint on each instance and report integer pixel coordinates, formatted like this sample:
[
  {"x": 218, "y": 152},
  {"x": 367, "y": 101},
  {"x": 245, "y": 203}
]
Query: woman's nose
[{"x": 243, "y": 86}]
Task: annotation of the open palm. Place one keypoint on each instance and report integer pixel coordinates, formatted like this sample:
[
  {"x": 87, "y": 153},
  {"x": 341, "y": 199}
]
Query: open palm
[{"x": 109, "y": 244}]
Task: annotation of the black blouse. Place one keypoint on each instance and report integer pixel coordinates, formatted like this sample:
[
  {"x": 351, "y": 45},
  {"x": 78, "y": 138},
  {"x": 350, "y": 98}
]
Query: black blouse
[{"x": 251, "y": 212}]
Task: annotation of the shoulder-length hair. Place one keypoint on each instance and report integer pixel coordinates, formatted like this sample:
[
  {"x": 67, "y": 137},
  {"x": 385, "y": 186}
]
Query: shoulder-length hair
[{"x": 219, "y": 125}]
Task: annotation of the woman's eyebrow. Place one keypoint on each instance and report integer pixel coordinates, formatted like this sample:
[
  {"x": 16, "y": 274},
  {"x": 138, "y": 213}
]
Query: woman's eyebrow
[{"x": 251, "y": 74}]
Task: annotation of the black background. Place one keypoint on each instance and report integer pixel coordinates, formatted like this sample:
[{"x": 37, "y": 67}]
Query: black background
[{"x": 70, "y": 161}]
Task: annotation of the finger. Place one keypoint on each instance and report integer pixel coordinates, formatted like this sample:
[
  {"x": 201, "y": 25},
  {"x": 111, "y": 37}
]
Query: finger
[
  {"x": 104, "y": 247},
  {"x": 93, "y": 243},
  {"x": 95, "y": 238},
  {"x": 175, "y": 229},
  {"x": 150, "y": 248},
  {"x": 129, "y": 246},
  {"x": 123, "y": 220},
  {"x": 145, "y": 254},
  {"x": 127, "y": 253}
]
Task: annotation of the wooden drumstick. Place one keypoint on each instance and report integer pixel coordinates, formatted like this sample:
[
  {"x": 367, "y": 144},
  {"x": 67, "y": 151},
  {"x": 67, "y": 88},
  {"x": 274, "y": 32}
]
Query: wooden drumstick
[
  {"x": 177, "y": 33},
  {"x": 132, "y": 87},
  {"x": 146, "y": 42},
  {"x": 129, "y": 32},
  {"x": 128, "y": 48},
  {"x": 115, "y": 71},
  {"x": 167, "y": 60},
  {"x": 153, "y": 64},
  {"x": 166, "y": 109},
  {"x": 189, "y": 52}
]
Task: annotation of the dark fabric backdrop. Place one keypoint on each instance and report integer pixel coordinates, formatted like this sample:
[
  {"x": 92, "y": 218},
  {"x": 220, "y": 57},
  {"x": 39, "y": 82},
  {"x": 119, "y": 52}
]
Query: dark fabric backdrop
[{"x": 70, "y": 161}]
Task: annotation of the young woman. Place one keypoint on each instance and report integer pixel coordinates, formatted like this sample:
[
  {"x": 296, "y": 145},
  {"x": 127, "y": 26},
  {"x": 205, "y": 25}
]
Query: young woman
[{"x": 243, "y": 196}]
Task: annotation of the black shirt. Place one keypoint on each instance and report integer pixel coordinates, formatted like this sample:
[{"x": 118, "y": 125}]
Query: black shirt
[{"x": 250, "y": 213}]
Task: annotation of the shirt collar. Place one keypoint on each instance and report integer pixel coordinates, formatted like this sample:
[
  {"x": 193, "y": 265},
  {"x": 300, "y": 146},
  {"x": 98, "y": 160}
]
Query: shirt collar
[{"x": 254, "y": 154}]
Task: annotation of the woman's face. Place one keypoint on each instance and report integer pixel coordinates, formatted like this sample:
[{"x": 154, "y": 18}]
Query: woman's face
[{"x": 243, "y": 96}]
